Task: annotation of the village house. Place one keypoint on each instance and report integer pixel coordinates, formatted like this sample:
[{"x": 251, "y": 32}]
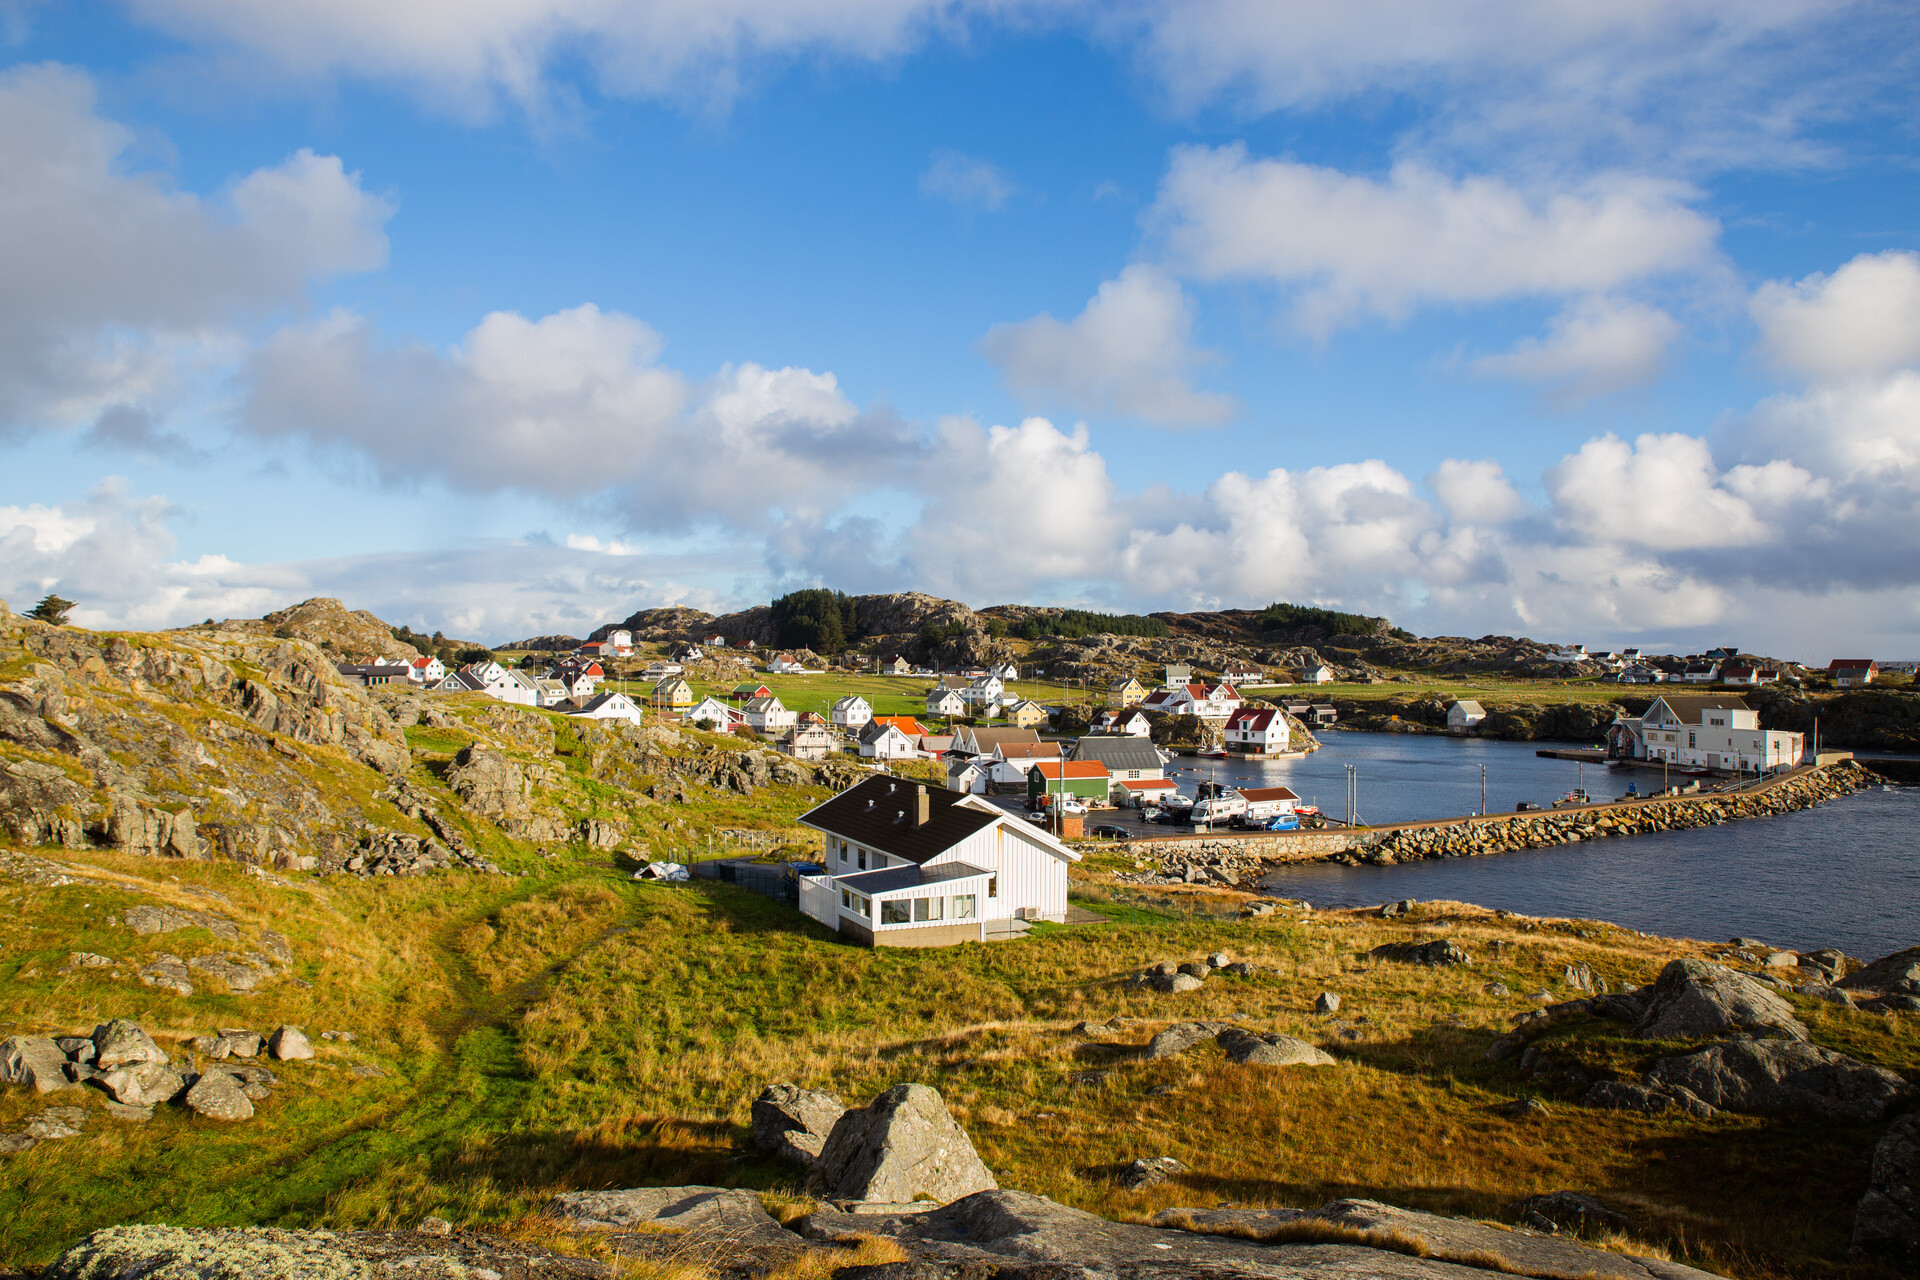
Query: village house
[
  {"x": 1141, "y": 792},
  {"x": 1273, "y": 800},
  {"x": 501, "y": 683},
  {"x": 905, "y": 724},
  {"x": 608, "y": 706},
  {"x": 1848, "y": 673},
  {"x": 1701, "y": 672},
  {"x": 748, "y": 691},
  {"x": 1010, "y": 761},
  {"x": 1127, "y": 759},
  {"x": 550, "y": 693},
  {"x": 1125, "y": 692},
  {"x": 852, "y": 711},
  {"x": 1238, "y": 676},
  {"x": 945, "y": 703},
  {"x": 895, "y": 665},
  {"x": 881, "y": 740},
  {"x": 1085, "y": 780},
  {"x": 715, "y": 715},
  {"x": 1261, "y": 731},
  {"x": 806, "y": 741},
  {"x": 768, "y": 715},
  {"x": 375, "y": 673},
  {"x": 594, "y": 649},
  {"x": 936, "y": 744},
  {"x": 1464, "y": 715},
  {"x": 1003, "y": 670},
  {"x": 661, "y": 670},
  {"x": 1641, "y": 673},
  {"x": 621, "y": 642},
  {"x": 785, "y": 664},
  {"x": 916, "y": 865},
  {"x": 1705, "y": 731},
  {"x": 1748, "y": 673},
  {"x": 426, "y": 670},
  {"x": 673, "y": 694},
  {"x": 1318, "y": 673},
  {"x": 1177, "y": 674},
  {"x": 714, "y": 641},
  {"x": 1131, "y": 723},
  {"x": 1024, "y": 714},
  {"x": 985, "y": 694},
  {"x": 1208, "y": 702},
  {"x": 1568, "y": 654},
  {"x": 979, "y": 740},
  {"x": 968, "y": 775}
]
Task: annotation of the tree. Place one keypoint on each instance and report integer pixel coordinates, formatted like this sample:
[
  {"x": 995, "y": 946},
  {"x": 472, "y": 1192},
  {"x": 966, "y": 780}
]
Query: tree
[
  {"x": 52, "y": 609},
  {"x": 816, "y": 619},
  {"x": 475, "y": 655}
]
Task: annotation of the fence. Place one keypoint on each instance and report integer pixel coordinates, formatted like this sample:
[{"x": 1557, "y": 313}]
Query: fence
[{"x": 768, "y": 878}]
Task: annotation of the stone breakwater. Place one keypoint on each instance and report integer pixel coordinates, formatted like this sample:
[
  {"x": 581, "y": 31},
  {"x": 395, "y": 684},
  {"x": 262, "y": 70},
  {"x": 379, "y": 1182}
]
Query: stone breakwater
[{"x": 1236, "y": 861}]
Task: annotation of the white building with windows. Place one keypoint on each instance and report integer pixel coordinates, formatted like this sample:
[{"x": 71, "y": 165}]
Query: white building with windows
[
  {"x": 913, "y": 865},
  {"x": 1702, "y": 731},
  {"x": 768, "y": 715},
  {"x": 851, "y": 712}
]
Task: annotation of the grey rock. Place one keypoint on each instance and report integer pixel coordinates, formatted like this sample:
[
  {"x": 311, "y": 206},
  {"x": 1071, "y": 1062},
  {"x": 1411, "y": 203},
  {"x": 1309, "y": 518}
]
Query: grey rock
[
  {"x": 215, "y": 1047},
  {"x": 1176, "y": 983},
  {"x": 1240, "y": 969},
  {"x": 1886, "y": 1225},
  {"x": 1328, "y": 1002},
  {"x": 1271, "y": 1050},
  {"x": 1219, "y": 960},
  {"x": 250, "y": 1072},
  {"x": 902, "y": 1146},
  {"x": 1442, "y": 952},
  {"x": 1694, "y": 998},
  {"x": 235, "y": 972},
  {"x": 169, "y": 973},
  {"x": 121, "y": 1042},
  {"x": 1092, "y": 1030},
  {"x": 1566, "y": 1211},
  {"x": 1179, "y": 1038},
  {"x": 1393, "y": 910},
  {"x": 1782, "y": 1075},
  {"x": 728, "y": 1221},
  {"x": 1195, "y": 969},
  {"x": 77, "y": 1048},
  {"x": 256, "y": 1092},
  {"x": 1497, "y": 989},
  {"x": 1897, "y": 974},
  {"x": 127, "y": 1111},
  {"x": 141, "y": 1084},
  {"x": 57, "y": 1122},
  {"x": 218, "y": 1096},
  {"x": 87, "y": 960},
  {"x": 1522, "y": 1108},
  {"x": 1821, "y": 991},
  {"x": 138, "y": 1252},
  {"x": 289, "y": 1043},
  {"x": 1625, "y": 1095},
  {"x": 431, "y": 1226},
  {"x": 1891, "y": 1004},
  {"x": 1151, "y": 1172},
  {"x": 793, "y": 1123},
  {"x": 12, "y": 1144},
  {"x": 243, "y": 1043},
  {"x": 149, "y": 919},
  {"x": 33, "y": 1060}
]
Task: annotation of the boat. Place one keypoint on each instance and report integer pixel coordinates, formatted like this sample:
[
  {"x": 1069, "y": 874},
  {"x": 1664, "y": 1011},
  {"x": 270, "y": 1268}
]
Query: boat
[
  {"x": 1577, "y": 796},
  {"x": 1695, "y": 772}
]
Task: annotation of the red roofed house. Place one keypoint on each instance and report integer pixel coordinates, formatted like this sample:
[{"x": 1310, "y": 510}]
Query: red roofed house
[
  {"x": 1269, "y": 802},
  {"x": 1848, "y": 672},
  {"x": 1010, "y": 761},
  {"x": 1209, "y": 702},
  {"x": 1143, "y": 791},
  {"x": 1261, "y": 732}
]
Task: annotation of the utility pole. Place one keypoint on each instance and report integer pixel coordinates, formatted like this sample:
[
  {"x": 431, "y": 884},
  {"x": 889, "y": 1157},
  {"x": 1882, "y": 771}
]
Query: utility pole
[{"x": 1483, "y": 791}]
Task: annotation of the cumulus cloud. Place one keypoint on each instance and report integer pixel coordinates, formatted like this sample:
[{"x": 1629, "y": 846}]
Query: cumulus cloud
[
  {"x": 967, "y": 182},
  {"x": 1594, "y": 347},
  {"x": 1129, "y": 353},
  {"x": 114, "y": 286},
  {"x": 1862, "y": 321},
  {"x": 567, "y": 406},
  {"x": 1347, "y": 246},
  {"x": 1476, "y": 493}
]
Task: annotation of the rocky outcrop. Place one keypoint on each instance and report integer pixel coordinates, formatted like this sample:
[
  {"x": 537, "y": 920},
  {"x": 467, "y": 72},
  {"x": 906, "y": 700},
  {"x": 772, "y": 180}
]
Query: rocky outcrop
[
  {"x": 901, "y": 1147},
  {"x": 705, "y": 1214},
  {"x": 1783, "y": 1075},
  {"x": 1897, "y": 974},
  {"x": 1694, "y": 998},
  {"x": 34, "y": 1061},
  {"x": 1270, "y": 1050},
  {"x": 1886, "y": 1226},
  {"x": 1441, "y": 951},
  {"x": 138, "y": 1252},
  {"x": 793, "y": 1124},
  {"x": 1180, "y": 1037}
]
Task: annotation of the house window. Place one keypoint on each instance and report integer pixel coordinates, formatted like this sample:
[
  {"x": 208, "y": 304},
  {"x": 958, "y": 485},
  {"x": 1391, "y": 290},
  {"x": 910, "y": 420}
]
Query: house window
[
  {"x": 993, "y": 886},
  {"x": 863, "y": 905},
  {"x": 929, "y": 909},
  {"x": 846, "y": 898},
  {"x": 1690, "y": 741},
  {"x": 843, "y": 851},
  {"x": 896, "y": 911},
  {"x": 963, "y": 906},
  {"x": 863, "y": 859}
]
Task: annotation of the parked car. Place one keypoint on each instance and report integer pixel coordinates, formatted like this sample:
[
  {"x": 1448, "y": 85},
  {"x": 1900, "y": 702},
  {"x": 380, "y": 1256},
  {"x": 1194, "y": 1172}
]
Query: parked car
[
  {"x": 1525, "y": 806},
  {"x": 1285, "y": 822},
  {"x": 1173, "y": 817},
  {"x": 1069, "y": 805},
  {"x": 1038, "y": 818},
  {"x": 1107, "y": 831}
]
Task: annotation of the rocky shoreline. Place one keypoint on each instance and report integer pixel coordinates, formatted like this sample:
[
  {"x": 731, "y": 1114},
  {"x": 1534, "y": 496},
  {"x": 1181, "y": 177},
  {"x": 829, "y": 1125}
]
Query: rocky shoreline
[{"x": 1239, "y": 861}]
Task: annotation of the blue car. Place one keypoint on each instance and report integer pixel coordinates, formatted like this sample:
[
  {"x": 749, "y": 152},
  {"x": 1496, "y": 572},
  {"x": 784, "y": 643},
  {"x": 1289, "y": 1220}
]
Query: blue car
[{"x": 1285, "y": 822}]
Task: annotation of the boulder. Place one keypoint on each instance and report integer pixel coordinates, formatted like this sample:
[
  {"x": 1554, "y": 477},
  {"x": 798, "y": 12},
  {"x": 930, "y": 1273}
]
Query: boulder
[
  {"x": 1271, "y": 1050},
  {"x": 1219, "y": 960},
  {"x": 1782, "y": 1075},
  {"x": 1886, "y": 1226},
  {"x": 241, "y": 1042},
  {"x": 706, "y": 1213},
  {"x": 1239, "y": 969},
  {"x": 1196, "y": 969},
  {"x": 793, "y": 1123},
  {"x": 1327, "y": 1002},
  {"x": 141, "y": 1084},
  {"x": 1694, "y": 998},
  {"x": 289, "y": 1043},
  {"x": 77, "y": 1048},
  {"x": 1151, "y": 1172},
  {"x": 903, "y": 1146},
  {"x": 1179, "y": 1038},
  {"x": 1566, "y": 1211},
  {"x": 33, "y": 1060},
  {"x": 218, "y": 1096},
  {"x": 1897, "y": 974},
  {"x": 122, "y": 1042},
  {"x": 1173, "y": 984},
  {"x": 1442, "y": 952}
]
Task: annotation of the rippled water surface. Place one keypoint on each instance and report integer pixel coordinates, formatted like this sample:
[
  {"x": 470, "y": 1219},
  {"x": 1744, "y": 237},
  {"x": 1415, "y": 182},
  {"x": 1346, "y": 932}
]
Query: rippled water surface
[{"x": 1845, "y": 874}]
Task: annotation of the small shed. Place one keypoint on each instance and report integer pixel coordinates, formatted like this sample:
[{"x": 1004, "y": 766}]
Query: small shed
[
  {"x": 1082, "y": 779},
  {"x": 1464, "y": 714}
]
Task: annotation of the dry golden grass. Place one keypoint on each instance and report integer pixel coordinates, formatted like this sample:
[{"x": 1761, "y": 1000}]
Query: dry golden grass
[{"x": 858, "y": 1250}]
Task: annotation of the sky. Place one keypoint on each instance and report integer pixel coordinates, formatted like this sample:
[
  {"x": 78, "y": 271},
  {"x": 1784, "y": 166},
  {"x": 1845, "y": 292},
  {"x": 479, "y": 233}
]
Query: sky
[{"x": 1593, "y": 323}]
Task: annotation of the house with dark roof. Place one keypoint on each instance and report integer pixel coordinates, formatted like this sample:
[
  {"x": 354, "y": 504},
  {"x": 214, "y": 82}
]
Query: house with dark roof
[
  {"x": 1127, "y": 759},
  {"x": 1698, "y": 730},
  {"x": 980, "y": 741},
  {"x": 608, "y": 706},
  {"x": 1131, "y": 723},
  {"x": 375, "y": 673},
  {"x": 915, "y": 865}
]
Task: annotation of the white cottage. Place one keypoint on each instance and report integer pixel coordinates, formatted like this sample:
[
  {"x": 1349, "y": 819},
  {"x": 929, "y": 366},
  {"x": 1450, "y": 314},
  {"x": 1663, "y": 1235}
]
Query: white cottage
[
  {"x": 1465, "y": 714},
  {"x": 912, "y": 865},
  {"x": 852, "y": 711},
  {"x": 769, "y": 715},
  {"x": 608, "y": 706}
]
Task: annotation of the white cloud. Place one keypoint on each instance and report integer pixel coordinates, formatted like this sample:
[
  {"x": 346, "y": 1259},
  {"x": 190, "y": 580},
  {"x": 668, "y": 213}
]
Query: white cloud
[
  {"x": 1350, "y": 246},
  {"x": 115, "y": 287},
  {"x": 1661, "y": 491},
  {"x": 1862, "y": 321},
  {"x": 1476, "y": 493},
  {"x": 967, "y": 182},
  {"x": 1129, "y": 353},
  {"x": 1594, "y": 347}
]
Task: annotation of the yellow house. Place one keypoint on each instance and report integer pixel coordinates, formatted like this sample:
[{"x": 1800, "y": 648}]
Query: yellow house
[
  {"x": 673, "y": 693},
  {"x": 1125, "y": 692},
  {"x": 1025, "y": 714}
]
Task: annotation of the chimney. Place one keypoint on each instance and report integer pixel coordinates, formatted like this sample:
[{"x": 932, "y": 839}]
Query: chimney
[{"x": 922, "y": 806}]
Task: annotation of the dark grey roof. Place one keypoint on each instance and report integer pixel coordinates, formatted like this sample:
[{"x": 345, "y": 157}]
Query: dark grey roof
[
  {"x": 872, "y": 882},
  {"x": 879, "y": 813},
  {"x": 1117, "y": 752}
]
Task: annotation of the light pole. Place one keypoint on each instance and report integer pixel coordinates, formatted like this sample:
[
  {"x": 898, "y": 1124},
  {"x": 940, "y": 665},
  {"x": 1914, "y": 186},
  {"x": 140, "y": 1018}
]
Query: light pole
[{"x": 1483, "y": 791}]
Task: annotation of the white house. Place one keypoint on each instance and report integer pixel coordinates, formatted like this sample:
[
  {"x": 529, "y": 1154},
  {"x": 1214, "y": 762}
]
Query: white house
[
  {"x": 1641, "y": 673},
  {"x": 1700, "y": 673},
  {"x": 986, "y": 692},
  {"x": 806, "y": 741},
  {"x": 1010, "y": 761},
  {"x": 942, "y": 701},
  {"x": 768, "y": 715},
  {"x": 499, "y": 682},
  {"x": 1850, "y": 673},
  {"x": 1130, "y": 723},
  {"x": 1319, "y": 673},
  {"x": 657, "y": 671},
  {"x": 977, "y": 740},
  {"x": 1703, "y": 731},
  {"x": 1004, "y": 671},
  {"x": 1464, "y": 714},
  {"x": 608, "y": 706},
  {"x": 1209, "y": 702},
  {"x": 1242, "y": 675},
  {"x": 1748, "y": 673},
  {"x": 852, "y": 711},
  {"x": 1258, "y": 732},
  {"x": 1568, "y": 654},
  {"x": 882, "y": 741},
  {"x": 787, "y": 664},
  {"x": 968, "y": 775},
  {"x": 427, "y": 670},
  {"x": 622, "y": 642},
  {"x": 911, "y": 865},
  {"x": 715, "y": 714}
]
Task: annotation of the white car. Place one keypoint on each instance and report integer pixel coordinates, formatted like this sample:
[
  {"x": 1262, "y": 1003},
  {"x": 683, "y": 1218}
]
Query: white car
[{"x": 1072, "y": 806}]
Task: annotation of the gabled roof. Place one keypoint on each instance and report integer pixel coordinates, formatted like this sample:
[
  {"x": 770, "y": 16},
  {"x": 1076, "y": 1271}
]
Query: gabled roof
[
  {"x": 987, "y": 739},
  {"x": 879, "y": 813},
  {"x": 905, "y": 724},
  {"x": 1122, "y": 682},
  {"x": 1690, "y": 706},
  {"x": 1254, "y": 719},
  {"x": 1469, "y": 706},
  {"x": 764, "y": 704},
  {"x": 1119, "y": 753},
  {"x": 1258, "y": 795},
  {"x": 1011, "y": 751},
  {"x": 908, "y": 877},
  {"x": 846, "y": 703},
  {"x": 1853, "y": 664},
  {"x": 1055, "y": 770},
  {"x": 1148, "y": 784},
  {"x": 879, "y": 727},
  {"x": 605, "y": 699}
]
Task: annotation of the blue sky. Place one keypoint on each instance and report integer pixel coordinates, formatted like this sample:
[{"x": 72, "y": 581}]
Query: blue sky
[{"x": 514, "y": 316}]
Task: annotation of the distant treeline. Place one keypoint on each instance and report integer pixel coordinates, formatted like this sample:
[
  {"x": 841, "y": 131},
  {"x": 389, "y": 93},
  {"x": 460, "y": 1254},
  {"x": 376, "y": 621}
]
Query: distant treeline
[
  {"x": 816, "y": 619},
  {"x": 1280, "y": 616},
  {"x": 1074, "y": 623}
]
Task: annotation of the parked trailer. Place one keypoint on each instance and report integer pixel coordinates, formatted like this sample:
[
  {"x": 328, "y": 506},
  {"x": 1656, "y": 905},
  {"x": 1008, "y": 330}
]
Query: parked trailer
[{"x": 1219, "y": 809}]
